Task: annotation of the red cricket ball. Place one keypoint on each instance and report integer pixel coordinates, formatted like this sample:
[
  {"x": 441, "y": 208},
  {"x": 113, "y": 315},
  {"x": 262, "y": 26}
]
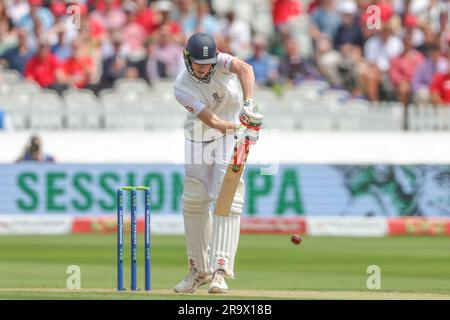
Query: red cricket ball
[{"x": 295, "y": 239}]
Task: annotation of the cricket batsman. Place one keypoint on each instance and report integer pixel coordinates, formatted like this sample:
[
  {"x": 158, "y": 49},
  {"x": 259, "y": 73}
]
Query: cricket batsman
[{"x": 217, "y": 91}]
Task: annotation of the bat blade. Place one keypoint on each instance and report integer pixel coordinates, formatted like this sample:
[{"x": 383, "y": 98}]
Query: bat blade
[{"x": 231, "y": 180}]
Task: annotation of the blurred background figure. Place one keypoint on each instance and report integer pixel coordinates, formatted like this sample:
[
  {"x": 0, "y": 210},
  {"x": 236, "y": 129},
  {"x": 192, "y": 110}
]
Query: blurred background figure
[
  {"x": 328, "y": 61},
  {"x": 164, "y": 10},
  {"x": 17, "y": 57},
  {"x": 284, "y": 14},
  {"x": 379, "y": 50},
  {"x": 440, "y": 87},
  {"x": 37, "y": 14},
  {"x": 184, "y": 13},
  {"x": 238, "y": 33},
  {"x": 151, "y": 73},
  {"x": 349, "y": 30},
  {"x": 425, "y": 72},
  {"x": 168, "y": 54},
  {"x": 145, "y": 16},
  {"x": 201, "y": 20},
  {"x": 34, "y": 151},
  {"x": 403, "y": 68},
  {"x": 293, "y": 68},
  {"x": 111, "y": 17},
  {"x": 114, "y": 66},
  {"x": 62, "y": 48},
  {"x": 7, "y": 30},
  {"x": 326, "y": 20},
  {"x": 78, "y": 68},
  {"x": 45, "y": 69},
  {"x": 264, "y": 65}
]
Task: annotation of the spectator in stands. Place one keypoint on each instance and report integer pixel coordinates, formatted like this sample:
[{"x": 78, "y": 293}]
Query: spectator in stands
[
  {"x": 433, "y": 16},
  {"x": 72, "y": 27},
  {"x": 17, "y": 57},
  {"x": 134, "y": 44},
  {"x": 39, "y": 34},
  {"x": 351, "y": 69},
  {"x": 411, "y": 25},
  {"x": 163, "y": 10},
  {"x": 45, "y": 69},
  {"x": 145, "y": 16},
  {"x": 328, "y": 61},
  {"x": 293, "y": 68},
  {"x": 61, "y": 49},
  {"x": 238, "y": 32},
  {"x": 284, "y": 12},
  {"x": 151, "y": 63},
  {"x": 403, "y": 68},
  {"x": 133, "y": 33},
  {"x": 37, "y": 13},
  {"x": 169, "y": 54},
  {"x": 79, "y": 67},
  {"x": 101, "y": 5},
  {"x": 342, "y": 66},
  {"x": 58, "y": 8},
  {"x": 17, "y": 10},
  {"x": 325, "y": 20},
  {"x": 425, "y": 73},
  {"x": 114, "y": 67},
  {"x": 7, "y": 31},
  {"x": 202, "y": 21},
  {"x": 440, "y": 88},
  {"x": 184, "y": 13},
  {"x": 34, "y": 151},
  {"x": 264, "y": 65},
  {"x": 111, "y": 18},
  {"x": 349, "y": 32},
  {"x": 379, "y": 49}
]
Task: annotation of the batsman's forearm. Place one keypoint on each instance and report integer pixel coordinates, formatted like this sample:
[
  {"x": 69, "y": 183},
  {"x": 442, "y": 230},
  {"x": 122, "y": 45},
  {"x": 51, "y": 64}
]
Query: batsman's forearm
[
  {"x": 212, "y": 120},
  {"x": 247, "y": 80}
]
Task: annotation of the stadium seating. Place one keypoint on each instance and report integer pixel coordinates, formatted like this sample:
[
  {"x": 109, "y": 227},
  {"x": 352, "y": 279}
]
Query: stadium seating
[
  {"x": 46, "y": 110},
  {"x": 133, "y": 104},
  {"x": 83, "y": 110},
  {"x": 131, "y": 85}
]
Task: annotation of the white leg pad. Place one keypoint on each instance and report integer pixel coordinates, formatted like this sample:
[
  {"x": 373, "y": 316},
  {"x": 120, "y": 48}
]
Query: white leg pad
[
  {"x": 225, "y": 235},
  {"x": 197, "y": 222}
]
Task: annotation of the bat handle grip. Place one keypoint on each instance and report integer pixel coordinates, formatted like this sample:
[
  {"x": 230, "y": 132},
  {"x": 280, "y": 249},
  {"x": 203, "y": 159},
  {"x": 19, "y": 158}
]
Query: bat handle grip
[{"x": 240, "y": 155}]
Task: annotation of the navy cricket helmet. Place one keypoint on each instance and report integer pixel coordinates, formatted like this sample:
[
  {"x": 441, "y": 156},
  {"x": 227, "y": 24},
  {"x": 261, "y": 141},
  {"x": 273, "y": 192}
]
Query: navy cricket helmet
[{"x": 200, "y": 49}]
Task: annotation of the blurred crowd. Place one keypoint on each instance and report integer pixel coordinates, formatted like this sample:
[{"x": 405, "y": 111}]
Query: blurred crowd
[{"x": 380, "y": 50}]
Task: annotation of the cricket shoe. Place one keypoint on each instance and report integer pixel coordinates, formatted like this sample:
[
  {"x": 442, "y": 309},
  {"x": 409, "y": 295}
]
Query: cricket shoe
[
  {"x": 218, "y": 284},
  {"x": 192, "y": 281}
]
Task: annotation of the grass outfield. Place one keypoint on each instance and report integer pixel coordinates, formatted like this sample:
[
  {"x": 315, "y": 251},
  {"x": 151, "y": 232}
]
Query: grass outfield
[{"x": 267, "y": 267}]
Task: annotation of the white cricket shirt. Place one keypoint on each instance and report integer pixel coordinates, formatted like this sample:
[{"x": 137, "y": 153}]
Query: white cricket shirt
[{"x": 222, "y": 95}]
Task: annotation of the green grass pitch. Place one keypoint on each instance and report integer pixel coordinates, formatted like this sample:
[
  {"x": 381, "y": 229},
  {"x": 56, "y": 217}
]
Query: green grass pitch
[{"x": 267, "y": 267}]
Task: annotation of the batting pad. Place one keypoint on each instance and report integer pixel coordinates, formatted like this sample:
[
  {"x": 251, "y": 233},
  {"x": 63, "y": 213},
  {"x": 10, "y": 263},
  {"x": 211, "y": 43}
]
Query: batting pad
[
  {"x": 197, "y": 222},
  {"x": 224, "y": 242}
]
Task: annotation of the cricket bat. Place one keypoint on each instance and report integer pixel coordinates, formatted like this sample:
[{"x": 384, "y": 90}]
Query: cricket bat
[{"x": 231, "y": 179}]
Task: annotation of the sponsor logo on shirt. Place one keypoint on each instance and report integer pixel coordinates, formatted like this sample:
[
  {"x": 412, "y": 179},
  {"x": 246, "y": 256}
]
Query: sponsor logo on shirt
[
  {"x": 217, "y": 99},
  {"x": 190, "y": 109},
  {"x": 226, "y": 62}
]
